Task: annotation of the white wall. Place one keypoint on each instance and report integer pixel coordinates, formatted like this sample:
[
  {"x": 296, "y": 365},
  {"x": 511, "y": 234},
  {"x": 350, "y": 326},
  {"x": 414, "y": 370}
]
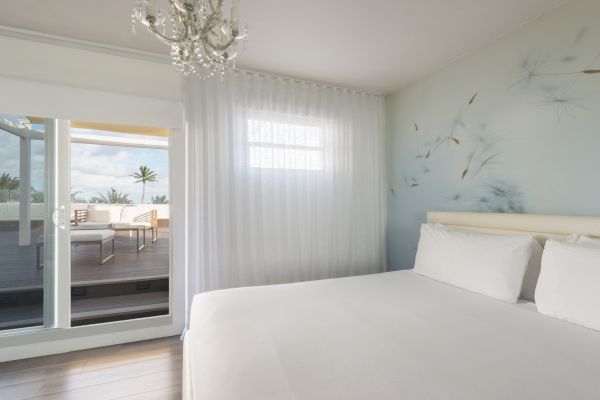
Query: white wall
[
  {"x": 50, "y": 80},
  {"x": 527, "y": 142},
  {"x": 66, "y": 66}
]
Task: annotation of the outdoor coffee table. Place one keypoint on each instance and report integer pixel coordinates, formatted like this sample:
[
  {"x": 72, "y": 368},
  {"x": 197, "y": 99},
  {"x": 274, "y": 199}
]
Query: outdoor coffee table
[
  {"x": 136, "y": 228},
  {"x": 85, "y": 237},
  {"x": 95, "y": 236}
]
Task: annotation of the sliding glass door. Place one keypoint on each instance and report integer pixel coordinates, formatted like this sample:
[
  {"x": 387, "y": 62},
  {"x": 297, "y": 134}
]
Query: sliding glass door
[
  {"x": 84, "y": 223},
  {"x": 27, "y": 232},
  {"x": 120, "y": 234}
]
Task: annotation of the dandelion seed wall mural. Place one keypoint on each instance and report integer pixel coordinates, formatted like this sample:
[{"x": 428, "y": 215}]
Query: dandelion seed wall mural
[{"x": 512, "y": 128}]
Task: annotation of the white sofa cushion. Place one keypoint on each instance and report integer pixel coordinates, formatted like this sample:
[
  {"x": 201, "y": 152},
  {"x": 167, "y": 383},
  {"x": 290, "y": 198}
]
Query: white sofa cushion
[
  {"x": 91, "y": 235},
  {"x": 104, "y": 213},
  {"x": 91, "y": 225},
  {"x": 130, "y": 213}
]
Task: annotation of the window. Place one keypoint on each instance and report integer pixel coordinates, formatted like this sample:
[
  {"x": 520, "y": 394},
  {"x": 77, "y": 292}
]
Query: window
[{"x": 280, "y": 142}]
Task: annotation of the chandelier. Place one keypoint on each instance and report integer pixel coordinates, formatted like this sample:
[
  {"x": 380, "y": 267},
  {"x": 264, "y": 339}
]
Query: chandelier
[{"x": 203, "y": 42}]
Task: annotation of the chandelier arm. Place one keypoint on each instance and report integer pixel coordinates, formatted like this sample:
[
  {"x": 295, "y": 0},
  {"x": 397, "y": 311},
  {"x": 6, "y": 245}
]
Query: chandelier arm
[
  {"x": 209, "y": 28},
  {"x": 182, "y": 15},
  {"x": 219, "y": 5},
  {"x": 165, "y": 38},
  {"x": 222, "y": 47},
  {"x": 214, "y": 11},
  {"x": 211, "y": 54},
  {"x": 176, "y": 5}
]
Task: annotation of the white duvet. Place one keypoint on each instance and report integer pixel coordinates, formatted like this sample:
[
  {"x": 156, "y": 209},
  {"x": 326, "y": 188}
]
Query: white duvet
[{"x": 395, "y": 335}]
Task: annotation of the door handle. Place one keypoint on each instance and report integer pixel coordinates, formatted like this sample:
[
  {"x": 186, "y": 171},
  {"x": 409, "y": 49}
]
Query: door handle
[{"x": 58, "y": 217}]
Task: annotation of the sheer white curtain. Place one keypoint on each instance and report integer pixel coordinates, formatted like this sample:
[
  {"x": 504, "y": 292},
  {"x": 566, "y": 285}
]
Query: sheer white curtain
[{"x": 286, "y": 182}]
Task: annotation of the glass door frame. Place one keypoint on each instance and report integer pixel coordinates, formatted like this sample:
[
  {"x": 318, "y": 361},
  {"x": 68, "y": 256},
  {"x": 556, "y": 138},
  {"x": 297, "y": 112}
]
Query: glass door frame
[
  {"x": 61, "y": 314},
  {"x": 56, "y": 324},
  {"x": 54, "y": 250},
  {"x": 65, "y": 102}
]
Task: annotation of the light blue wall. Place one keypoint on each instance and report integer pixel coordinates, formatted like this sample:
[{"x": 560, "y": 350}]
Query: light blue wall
[{"x": 519, "y": 119}]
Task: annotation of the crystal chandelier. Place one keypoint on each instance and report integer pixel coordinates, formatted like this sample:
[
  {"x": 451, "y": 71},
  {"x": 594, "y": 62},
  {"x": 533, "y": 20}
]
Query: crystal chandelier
[{"x": 202, "y": 41}]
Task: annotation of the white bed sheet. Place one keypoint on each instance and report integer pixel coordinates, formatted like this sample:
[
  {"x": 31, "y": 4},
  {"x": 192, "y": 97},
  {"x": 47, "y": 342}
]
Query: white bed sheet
[{"x": 395, "y": 335}]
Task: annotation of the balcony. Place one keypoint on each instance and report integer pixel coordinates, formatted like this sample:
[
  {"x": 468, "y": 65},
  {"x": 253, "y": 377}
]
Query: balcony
[{"x": 131, "y": 284}]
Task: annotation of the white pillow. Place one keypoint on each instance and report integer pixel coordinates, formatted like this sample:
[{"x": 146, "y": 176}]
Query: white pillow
[
  {"x": 493, "y": 265},
  {"x": 569, "y": 283}
]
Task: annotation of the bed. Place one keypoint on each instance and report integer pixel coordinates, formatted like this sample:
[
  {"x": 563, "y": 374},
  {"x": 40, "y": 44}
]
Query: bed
[{"x": 395, "y": 335}]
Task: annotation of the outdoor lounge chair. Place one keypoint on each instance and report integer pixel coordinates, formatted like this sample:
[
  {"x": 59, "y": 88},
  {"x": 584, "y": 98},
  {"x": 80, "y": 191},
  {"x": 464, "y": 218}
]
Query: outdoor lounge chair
[{"x": 118, "y": 217}]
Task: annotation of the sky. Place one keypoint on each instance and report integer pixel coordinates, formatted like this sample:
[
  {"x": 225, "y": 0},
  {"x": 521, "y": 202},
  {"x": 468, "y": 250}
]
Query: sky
[
  {"x": 94, "y": 168},
  {"x": 9, "y": 158},
  {"x": 97, "y": 168}
]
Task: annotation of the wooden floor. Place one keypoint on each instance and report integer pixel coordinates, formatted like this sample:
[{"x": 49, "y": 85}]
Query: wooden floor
[
  {"x": 148, "y": 370},
  {"x": 18, "y": 263}
]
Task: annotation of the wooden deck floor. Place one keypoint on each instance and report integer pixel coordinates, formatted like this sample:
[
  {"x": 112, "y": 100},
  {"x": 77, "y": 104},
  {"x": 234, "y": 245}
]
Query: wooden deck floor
[
  {"x": 89, "y": 308},
  {"x": 18, "y": 263},
  {"x": 149, "y": 370}
]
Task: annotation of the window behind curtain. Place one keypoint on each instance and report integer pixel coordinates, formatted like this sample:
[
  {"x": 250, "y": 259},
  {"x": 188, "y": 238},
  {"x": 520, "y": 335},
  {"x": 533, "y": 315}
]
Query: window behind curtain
[{"x": 287, "y": 142}]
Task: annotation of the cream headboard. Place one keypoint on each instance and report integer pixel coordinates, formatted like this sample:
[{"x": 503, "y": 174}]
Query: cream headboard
[{"x": 541, "y": 226}]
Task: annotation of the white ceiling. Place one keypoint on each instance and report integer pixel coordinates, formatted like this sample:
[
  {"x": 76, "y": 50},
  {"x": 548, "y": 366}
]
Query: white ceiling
[{"x": 375, "y": 45}]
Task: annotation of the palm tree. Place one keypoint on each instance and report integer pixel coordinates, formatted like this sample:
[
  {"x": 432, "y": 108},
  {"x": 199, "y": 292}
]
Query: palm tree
[
  {"x": 76, "y": 199},
  {"x": 159, "y": 200},
  {"x": 144, "y": 175},
  {"x": 14, "y": 185},
  {"x": 9, "y": 183},
  {"x": 4, "y": 182},
  {"x": 113, "y": 196}
]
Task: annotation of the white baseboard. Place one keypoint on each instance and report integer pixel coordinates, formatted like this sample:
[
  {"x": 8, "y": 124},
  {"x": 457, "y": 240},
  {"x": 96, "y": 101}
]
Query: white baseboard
[{"x": 55, "y": 341}]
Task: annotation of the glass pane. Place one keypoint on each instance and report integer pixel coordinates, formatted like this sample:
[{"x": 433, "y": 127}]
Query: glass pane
[
  {"x": 24, "y": 217},
  {"x": 119, "y": 224}
]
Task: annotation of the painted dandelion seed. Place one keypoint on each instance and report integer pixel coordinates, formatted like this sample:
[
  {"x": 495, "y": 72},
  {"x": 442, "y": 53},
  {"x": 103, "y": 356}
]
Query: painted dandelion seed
[
  {"x": 529, "y": 71},
  {"x": 563, "y": 104},
  {"x": 486, "y": 162},
  {"x": 483, "y": 154},
  {"x": 561, "y": 99},
  {"x": 411, "y": 182},
  {"x": 568, "y": 59},
  {"x": 502, "y": 197},
  {"x": 469, "y": 161},
  {"x": 472, "y": 99}
]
